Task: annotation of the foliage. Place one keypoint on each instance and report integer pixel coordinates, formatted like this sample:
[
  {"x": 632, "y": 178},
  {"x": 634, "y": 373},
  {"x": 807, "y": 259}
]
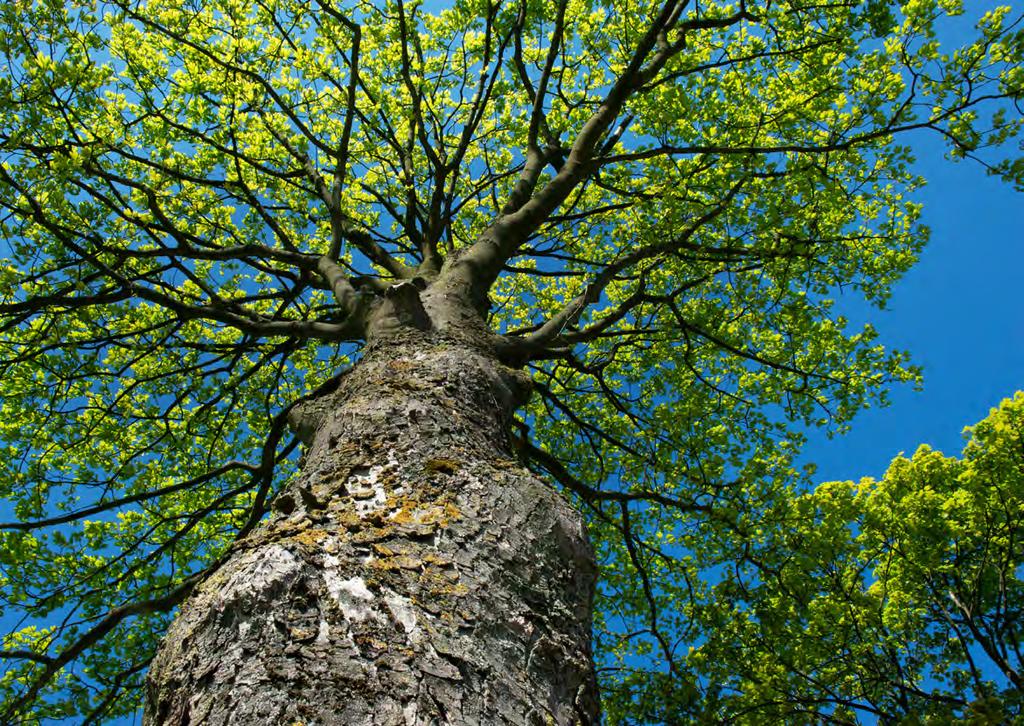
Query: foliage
[
  {"x": 897, "y": 600},
  {"x": 658, "y": 204}
]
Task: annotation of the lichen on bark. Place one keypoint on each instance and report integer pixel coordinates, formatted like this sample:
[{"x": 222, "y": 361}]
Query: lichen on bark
[{"x": 414, "y": 572}]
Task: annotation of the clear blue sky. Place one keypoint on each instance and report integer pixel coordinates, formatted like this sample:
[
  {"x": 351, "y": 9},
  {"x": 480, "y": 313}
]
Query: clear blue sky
[{"x": 959, "y": 312}]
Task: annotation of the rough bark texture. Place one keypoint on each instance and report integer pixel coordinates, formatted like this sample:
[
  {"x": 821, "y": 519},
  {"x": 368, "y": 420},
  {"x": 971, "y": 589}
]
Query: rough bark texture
[{"x": 414, "y": 572}]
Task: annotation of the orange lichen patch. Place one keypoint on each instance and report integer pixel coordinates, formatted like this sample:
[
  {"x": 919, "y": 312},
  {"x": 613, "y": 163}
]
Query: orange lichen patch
[
  {"x": 408, "y": 383},
  {"x": 436, "y": 559},
  {"x": 369, "y": 643},
  {"x": 283, "y": 527},
  {"x": 349, "y": 448},
  {"x": 397, "y": 562},
  {"x": 405, "y": 557},
  {"x": 400, "y": 364},
  {"x": 366, "y": 535},
  {"x": 310, "y": 538},
  {"x": 441, "y": 466},
  {"x": 413, "y": 512},
  {"x": 440, "y": 581},
  {"x": 406, "y": 515},
  {"x": 349, "y": 520},
  {"x": 431, "y": 574},
  {"x": 451, "y": 512},
  {"x": 302, "y": 634},
  {"x": 505, "y": 464},
  {"x": 414, "y": 530},
  {"x": 383, "y": 565},
  {"x": 443, "y": 589}
]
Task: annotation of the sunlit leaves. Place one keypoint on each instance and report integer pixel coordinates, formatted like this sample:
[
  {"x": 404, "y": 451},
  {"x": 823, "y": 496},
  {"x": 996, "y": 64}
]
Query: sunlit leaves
[
  {"x": 172, "y": 173},
  {"x": 893, "y": 599}
]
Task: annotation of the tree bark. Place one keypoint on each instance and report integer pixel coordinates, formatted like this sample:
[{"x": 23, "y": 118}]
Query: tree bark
[{"x": 414, "y": 572}]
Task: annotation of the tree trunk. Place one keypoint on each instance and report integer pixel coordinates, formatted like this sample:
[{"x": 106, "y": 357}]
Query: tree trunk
[{"x": 413, "y": 573}]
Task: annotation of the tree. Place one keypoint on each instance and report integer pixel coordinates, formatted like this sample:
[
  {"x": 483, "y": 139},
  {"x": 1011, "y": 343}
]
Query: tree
[
  {"x": 899, "y": 598},
  {"x": 448, "y": 256}
]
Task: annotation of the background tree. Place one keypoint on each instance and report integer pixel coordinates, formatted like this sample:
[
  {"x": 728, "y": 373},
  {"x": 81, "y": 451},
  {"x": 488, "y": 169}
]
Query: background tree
[
  {"x": 897, "y": 599},
  {"x": 210, "y": 209}
]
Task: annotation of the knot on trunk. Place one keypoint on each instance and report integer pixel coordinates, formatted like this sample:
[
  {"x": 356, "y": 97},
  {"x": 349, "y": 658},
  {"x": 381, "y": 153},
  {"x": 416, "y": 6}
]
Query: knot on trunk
[
  {"x": 517, "y": 384},
  {"x": 400, "y": 309},
  {"x": 306, "y": 417}
]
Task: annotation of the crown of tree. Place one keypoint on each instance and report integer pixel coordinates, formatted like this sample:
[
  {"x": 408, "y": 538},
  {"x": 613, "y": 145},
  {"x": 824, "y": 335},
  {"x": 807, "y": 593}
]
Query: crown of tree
[{"x": 648, "y": 206}]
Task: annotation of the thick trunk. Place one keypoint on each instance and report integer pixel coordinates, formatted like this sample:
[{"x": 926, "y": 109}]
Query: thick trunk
[{"x": 414, "y": 573}]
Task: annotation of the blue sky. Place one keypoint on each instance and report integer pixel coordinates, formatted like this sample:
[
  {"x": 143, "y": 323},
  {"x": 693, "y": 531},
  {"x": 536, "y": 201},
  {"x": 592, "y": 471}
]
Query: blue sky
[{"x": 959, "y": 312}]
